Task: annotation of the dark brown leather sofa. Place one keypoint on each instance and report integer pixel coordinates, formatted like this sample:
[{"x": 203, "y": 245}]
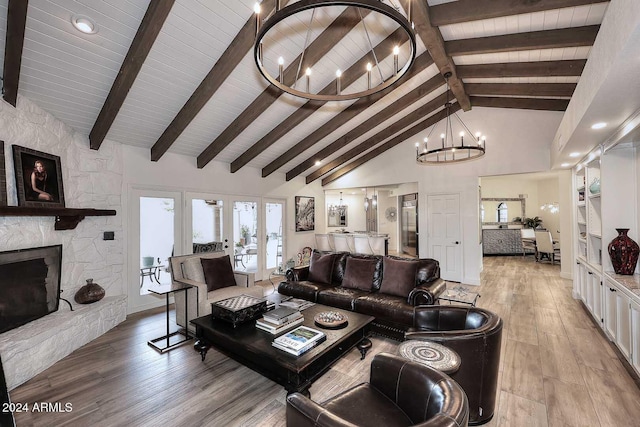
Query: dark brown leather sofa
[
  {"x": 476, "y": 335},
  {"x": 399, "y": 393},
  {"x": 385, "y": 287}
]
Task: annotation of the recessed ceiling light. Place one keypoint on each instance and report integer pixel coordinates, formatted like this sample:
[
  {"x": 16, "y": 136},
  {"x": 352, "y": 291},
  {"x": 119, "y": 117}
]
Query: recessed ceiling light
[
  {"x": 574, "y": 155},
  {"x": 318, "y": 162},
  {"x": 565, "y": 165},
  {"x": 599, "y": 125},
  {"x": 84, "y": 24}
]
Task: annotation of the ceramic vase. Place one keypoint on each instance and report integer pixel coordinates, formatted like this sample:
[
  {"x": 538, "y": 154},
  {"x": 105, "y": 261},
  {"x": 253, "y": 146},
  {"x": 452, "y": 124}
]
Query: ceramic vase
[
  {"x": 624, "y": 253},
  {"x": 594, "y": 188},
  {"x": 89, "y": 293}
]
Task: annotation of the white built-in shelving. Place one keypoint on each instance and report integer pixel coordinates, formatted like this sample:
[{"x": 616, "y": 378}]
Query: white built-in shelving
[{"x": 613, "y": 300}]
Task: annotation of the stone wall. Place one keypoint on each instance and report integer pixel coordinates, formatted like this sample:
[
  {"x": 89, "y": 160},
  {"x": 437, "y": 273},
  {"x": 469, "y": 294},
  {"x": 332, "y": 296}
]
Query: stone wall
[{"x": 91, "y": 179}]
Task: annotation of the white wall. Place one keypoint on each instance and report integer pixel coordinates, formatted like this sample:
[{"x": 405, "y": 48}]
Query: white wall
[
  {"x": 91, "y": 179},
  {"x": 549, "y": 192},
  {"x": 517, "y": 141}
]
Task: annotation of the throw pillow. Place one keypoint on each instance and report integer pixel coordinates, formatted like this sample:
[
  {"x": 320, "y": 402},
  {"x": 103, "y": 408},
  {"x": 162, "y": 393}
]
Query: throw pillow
[
  {"x": 398, "y": 276},
  {"x": 321, "y": 267},
  {"x": 218, "y": 272},
  {"x": 359, "y": 273}
]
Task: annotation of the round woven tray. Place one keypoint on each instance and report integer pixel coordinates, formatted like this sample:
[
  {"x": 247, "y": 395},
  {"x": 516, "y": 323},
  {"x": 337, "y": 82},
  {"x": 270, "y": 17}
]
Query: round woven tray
[{"x": 331, "y": 320}]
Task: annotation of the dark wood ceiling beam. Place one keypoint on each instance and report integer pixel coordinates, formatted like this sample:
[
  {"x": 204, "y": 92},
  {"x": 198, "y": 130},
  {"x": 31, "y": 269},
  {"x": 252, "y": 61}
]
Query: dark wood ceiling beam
[
  {"x": 520, "y": 103},
  {"x": 14, "y": 41},
  {"x": 338, "y": 29},
  {"x": 388, "y": 132},
  {"x": 353, "y": 73},
  {"x": 521, "y": 89},
  {"x": 548, "y": 39},
  {"x": 228, "y": 61},
  {"x": 435, "y": 44},
  {"x": 146, "y": 35},
  {"x": 419, "y": 65},
  {"x": 409, "y": 133},
  {"x": 572, "y": 67},
  {"x": 397, "y": 106},
  {"x": 472, "y": 10}
]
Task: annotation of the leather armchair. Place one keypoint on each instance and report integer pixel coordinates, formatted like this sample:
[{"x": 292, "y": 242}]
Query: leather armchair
[
  {"x": 476, "y": 335},
  {"x": 399, "y": 393}
]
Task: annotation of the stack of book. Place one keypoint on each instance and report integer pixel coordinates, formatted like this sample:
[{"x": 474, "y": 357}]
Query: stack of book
[
  {"x": 299, "y": 340},
  {"x": 279, "y": 320}
]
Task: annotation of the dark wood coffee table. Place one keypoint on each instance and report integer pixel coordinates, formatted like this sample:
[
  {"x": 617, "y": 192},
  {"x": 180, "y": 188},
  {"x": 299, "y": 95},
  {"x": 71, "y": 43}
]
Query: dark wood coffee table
[{"x": 252, "y": 347}]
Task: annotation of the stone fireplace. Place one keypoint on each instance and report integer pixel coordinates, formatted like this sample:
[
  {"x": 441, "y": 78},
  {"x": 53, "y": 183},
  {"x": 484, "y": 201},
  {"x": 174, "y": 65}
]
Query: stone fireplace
[
  {"x": 35, "y": 329},
  {"x": 29, "y": 285}
]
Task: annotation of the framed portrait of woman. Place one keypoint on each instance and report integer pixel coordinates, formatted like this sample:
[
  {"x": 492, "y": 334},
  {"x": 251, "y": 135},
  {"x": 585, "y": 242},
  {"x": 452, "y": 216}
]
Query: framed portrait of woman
[{"x": 38, "y": 178}]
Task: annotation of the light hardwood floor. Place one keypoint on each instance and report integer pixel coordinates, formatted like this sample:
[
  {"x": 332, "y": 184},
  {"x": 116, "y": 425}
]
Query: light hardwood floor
[{"x": 556, "y": 369}]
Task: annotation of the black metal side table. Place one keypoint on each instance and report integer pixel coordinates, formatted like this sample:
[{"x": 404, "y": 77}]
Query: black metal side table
[{"x": 169, "y": 342}]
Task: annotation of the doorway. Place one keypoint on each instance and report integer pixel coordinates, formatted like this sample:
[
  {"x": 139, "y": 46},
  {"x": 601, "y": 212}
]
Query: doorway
[{"x": 409, "y": 225}]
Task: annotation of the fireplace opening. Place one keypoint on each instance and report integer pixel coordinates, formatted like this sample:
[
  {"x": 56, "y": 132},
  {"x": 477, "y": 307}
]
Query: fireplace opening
[{"x": 29, "y": 285}]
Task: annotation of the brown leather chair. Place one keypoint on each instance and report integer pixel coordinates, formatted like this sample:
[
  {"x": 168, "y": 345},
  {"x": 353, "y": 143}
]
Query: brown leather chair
[
  {"x": 476, "y": 335},
  {"x": 399, "y": 393}
]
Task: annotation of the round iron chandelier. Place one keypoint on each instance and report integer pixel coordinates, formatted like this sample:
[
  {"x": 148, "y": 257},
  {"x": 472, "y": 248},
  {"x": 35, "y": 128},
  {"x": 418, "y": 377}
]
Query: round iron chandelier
[
  {"x": 317, "y": 81},
  {"x": 447, "y": 150}
]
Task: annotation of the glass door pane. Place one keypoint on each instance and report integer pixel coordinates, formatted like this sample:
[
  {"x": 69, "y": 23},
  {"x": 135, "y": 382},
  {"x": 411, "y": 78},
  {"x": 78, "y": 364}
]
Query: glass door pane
[
  {"x": 157, "y": 239},
  {"x": 274, "y": 215},
  {"x": 245, "y": 236},
  {"x": 207, "y": 224}
]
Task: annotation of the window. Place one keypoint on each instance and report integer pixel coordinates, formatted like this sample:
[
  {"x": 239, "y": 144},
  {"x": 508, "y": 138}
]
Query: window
[{"x": 502, "y": 212}]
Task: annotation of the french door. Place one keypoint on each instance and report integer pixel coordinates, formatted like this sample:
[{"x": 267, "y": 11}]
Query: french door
[
  {"x": 249, "y": 229},
  {"x": 274, "y": 234},
  {"x": 207, "y": 223},
  {"x": 155, "y": 225}
]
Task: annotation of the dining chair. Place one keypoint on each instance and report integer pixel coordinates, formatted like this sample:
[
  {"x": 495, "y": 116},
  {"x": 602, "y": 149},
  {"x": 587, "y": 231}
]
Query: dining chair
[
  {"x": 527, "y": 240},
  {"x": 544, "y": 245}
]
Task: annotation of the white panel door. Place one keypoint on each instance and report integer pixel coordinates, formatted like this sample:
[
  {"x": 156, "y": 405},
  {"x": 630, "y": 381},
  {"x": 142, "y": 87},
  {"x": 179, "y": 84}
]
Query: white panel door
[{"x": 445, "y": 243}]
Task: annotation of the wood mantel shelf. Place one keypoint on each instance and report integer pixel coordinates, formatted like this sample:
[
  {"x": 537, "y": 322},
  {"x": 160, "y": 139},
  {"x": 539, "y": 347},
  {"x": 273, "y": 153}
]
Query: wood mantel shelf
[{"x": 66, "y": 218}]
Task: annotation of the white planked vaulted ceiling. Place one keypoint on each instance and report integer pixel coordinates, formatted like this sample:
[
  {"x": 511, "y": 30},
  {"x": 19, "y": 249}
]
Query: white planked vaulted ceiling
[{"x": 70, "y": 74}]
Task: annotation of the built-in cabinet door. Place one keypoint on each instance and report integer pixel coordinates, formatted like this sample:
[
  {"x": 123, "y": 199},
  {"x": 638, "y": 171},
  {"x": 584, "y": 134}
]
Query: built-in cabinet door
[
  {"x": 635, "y": 336},
  {"x": 583, "y": 283},
  {"x": 597, "y": 298},
  {"x": 610, "y": 310},
  {"x": 590, "y": 290},
  {"x": 623, "y": 323}
]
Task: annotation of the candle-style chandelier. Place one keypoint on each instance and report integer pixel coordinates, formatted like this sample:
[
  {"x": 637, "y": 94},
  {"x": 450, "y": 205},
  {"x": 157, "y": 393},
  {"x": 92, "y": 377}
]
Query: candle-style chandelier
[
  {"x": 338, "y": 210},
  {"x": 447, "y": 150},
  {"x": 334, "y": 77},
  {"x": 551, "y": 207}
]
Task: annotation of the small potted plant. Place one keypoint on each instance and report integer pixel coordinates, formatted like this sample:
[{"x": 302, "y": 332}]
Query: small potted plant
[{"x": 534, "y": 222}]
